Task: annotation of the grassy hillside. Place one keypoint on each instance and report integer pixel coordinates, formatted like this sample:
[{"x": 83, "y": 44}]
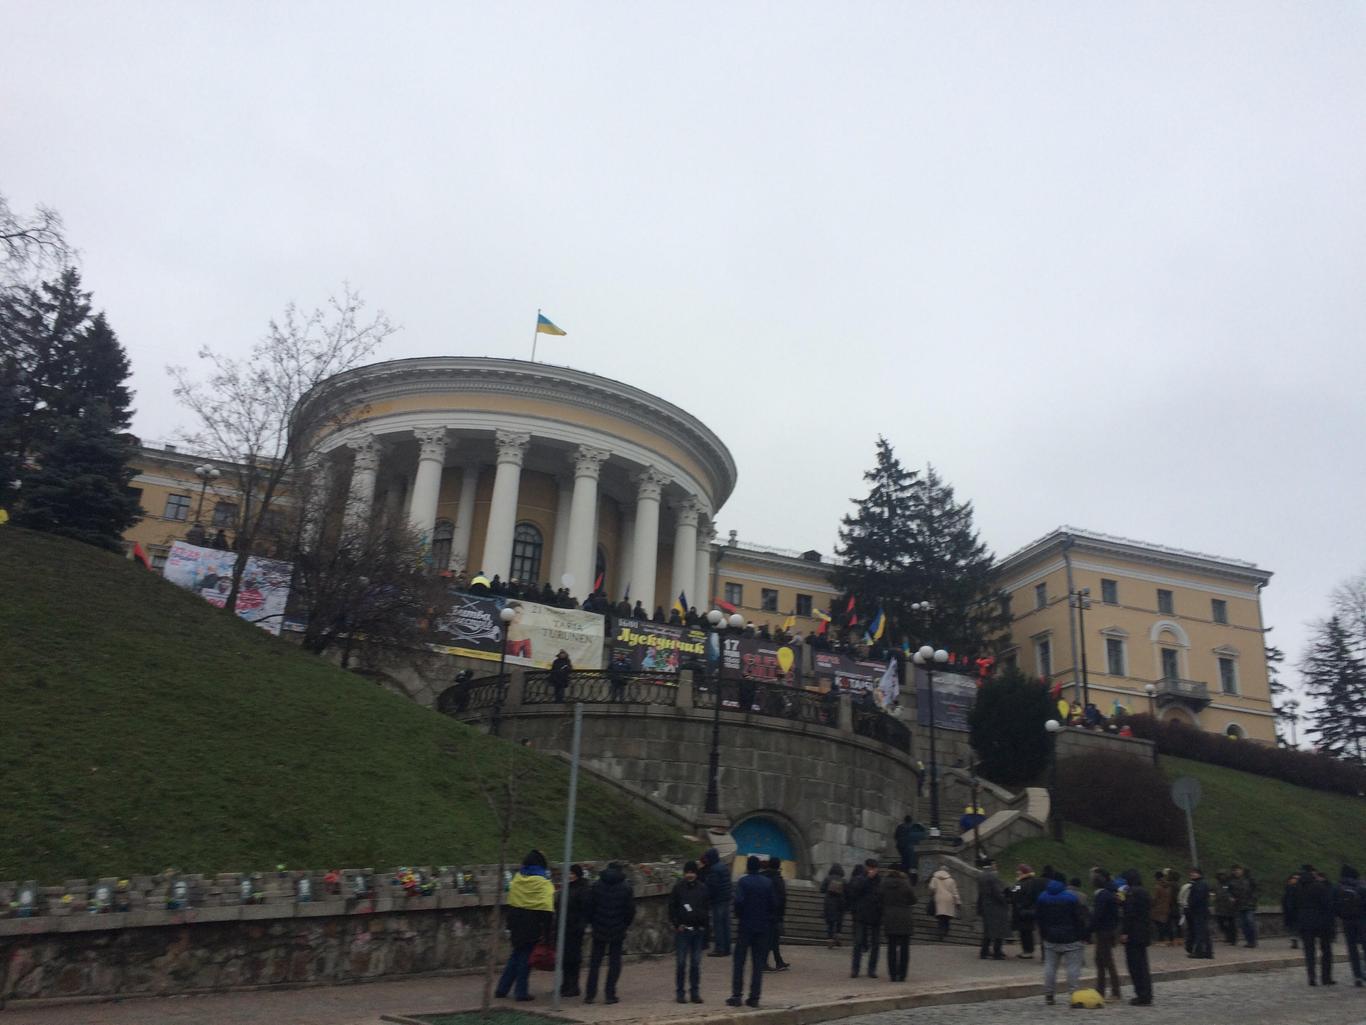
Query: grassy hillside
[
  {"x": 1270, "y": 826},
  {"x": 142, "y": 728}
]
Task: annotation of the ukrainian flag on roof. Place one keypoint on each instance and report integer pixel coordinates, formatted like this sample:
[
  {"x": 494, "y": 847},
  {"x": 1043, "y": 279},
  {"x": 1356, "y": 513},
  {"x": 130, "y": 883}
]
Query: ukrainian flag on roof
[{"x": 545, "y": 327}]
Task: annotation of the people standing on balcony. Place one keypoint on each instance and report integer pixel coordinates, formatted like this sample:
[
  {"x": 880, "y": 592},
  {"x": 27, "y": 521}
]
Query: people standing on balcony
[
  {"x": 865, "y": 902},
  {"x": 658, "y": 617},
  {"x": 561, "y": 670},
  {"x": 530, "y": 915},
  {"x": 674, "y": 618},
  {"x": 716, "y": 874},
  {"x": 688, "y": 914},
  {"x": 611, "y": 910},
  {"x": 947, "y": 903},
  {"x": 755, "y": 906},
  {"x": 618, "y": 670},
  {"x": 774, "y": 871},
  {"x": 897, "y": 901},
  {"x": 639, "y": 613},
  {"x": 832, "y": 886}
]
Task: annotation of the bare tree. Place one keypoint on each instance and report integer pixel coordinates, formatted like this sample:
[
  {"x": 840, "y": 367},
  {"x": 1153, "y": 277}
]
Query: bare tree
[
  {"x": 499, "y": 782},
  {"x": 252, "y": 412},
  {"x": 32, "y": 246}
]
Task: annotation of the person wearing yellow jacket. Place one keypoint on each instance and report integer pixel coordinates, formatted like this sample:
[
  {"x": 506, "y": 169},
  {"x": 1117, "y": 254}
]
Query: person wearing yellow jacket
[{"x": 530, "y": 915}]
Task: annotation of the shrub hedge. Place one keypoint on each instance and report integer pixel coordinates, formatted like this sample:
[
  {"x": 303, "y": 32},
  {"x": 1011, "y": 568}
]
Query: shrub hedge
[
  {"x": 1302, "y": 768},
  {"x": 1119, "y": 795}
]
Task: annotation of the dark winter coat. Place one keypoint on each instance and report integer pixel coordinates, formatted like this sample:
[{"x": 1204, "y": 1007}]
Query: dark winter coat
[
  {"x": 775, "y": 876},
  {"x": 717, "y": 878},
  {"x": 688, "y": 905},
  {"x": 1244, "y": 892},
  {"x": 1313, "y": 902},
  {"x": 1135, "y": 915},
  {"x": 833, "y": 887},
  {"x": 577, "y": 910},
  {"x": 1104, "y": 910},
  {"x": 1023, "y": 896},
  {"x": 611, "y": 905},
  {"x": 755, "y": 903},
  {"x": 865, "y": 899},
  {"x": 902, "y": 837},
  {"x": 1060, "y": 916},
  {"x": 897, "y": 901},
  {"x": 1197, "y": 898},
  {"x": 992, "y": 906},
  {"x": 560, "y": 670}
]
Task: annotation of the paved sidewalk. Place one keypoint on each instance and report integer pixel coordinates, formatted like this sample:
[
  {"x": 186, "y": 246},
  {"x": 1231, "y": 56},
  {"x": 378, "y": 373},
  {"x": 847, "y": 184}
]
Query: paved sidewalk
[{"x": 818, "y": 984}]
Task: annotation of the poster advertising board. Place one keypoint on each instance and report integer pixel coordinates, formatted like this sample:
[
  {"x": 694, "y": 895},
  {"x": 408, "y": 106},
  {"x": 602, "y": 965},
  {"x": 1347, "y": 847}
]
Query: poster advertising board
[
  {"x": 208, "y": 572},
  {"x": 535, "y": 634},
  {"x": 657, "y": 647},
  {"x": 752, "y": 658},
  {"x": 847, "y": 674},
  {"x": 954, "y": 695}
]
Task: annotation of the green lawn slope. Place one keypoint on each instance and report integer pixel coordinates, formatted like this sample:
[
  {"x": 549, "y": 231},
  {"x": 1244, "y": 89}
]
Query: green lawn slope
[
  {"x": 141, "y": 728},
  {"x": 1270, "y": 826}
]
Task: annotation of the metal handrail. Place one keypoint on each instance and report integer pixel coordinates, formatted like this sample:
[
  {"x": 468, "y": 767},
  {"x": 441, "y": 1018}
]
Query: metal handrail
[
  {"x": 469, "y": 696},
  {"x": 602, "y": 687},
  {"x": 876, "y": 724}
]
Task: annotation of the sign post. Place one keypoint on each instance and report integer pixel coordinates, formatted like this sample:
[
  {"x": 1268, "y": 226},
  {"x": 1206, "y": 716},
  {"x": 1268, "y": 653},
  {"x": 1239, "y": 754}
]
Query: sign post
[{"x": 1186, "y": 796}]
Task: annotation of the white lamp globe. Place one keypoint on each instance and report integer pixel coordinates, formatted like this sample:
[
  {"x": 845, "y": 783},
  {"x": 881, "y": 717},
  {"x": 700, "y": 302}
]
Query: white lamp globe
[
  {"x": 507, "y": 615},
  {"x": 926, "y": 653},
  {"x": 715, "y": 616},
  {"x": 941, "y": 655},
  {"x": 737, "y": 621},
  {"x": 1052, "y": 726}
]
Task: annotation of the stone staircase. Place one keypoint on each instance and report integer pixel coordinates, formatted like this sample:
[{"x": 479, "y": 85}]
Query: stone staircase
[{"x": 804, "y": 923}]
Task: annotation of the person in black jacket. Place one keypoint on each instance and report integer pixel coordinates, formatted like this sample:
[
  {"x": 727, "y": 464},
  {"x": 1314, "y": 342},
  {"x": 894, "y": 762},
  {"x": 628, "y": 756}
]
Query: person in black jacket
[
  {"x": 755, "y": 904},
  {"x": 560, "y": 671},
  {"x": 688, "y": 914},
  {"x": 611, "y": 910},
  {"x": 1135, "y": 932},
  {"x": 774, "y": 871},
  {"x": 575, "y": 907},
  {"x": 1350, "y": 906},
  {"x": 1104, "y": 929},
  {"x": 716, "y": 874},
  {"x": 1024, "y": 895},
  {"x": 865, "y": 902},
  {"x": 1062, "y": 927},
  {"x": 1313, "y": 903},
  {"x": 1197, "y": 916}
]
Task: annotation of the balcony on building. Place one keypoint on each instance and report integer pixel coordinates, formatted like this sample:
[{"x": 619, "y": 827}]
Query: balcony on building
[{"x": 1193, "y": 694}]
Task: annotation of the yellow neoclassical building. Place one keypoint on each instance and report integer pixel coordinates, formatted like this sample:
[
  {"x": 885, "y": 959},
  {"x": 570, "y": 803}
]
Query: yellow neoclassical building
[{"x": 1187, "y": 625}]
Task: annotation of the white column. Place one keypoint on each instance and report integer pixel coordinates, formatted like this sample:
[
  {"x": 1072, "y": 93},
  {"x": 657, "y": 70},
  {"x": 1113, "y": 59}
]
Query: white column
[
  {"x": 583, "y": 518},
  {"x": 626, "y": 550},
  {"x": 559, "y": 547},
  {"x": 431, "y": 460},
  {"x": 705, "y": 536},
  {"x": 684, "y": 577},
  {"x": 317, "y": 484},
  {"x": 507, "y": 482},
  {"x": 364, "y": 470},
  {"x": 464, "y": 519},
  {"x": 646, "y": 549}
]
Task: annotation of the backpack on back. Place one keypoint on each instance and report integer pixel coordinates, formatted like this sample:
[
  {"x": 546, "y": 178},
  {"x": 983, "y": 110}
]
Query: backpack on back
[{"x": 1347, "y": 902}]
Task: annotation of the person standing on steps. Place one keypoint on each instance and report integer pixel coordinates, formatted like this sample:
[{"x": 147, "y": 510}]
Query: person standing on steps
[
  {"x": 897, "y": 901},
  {"x": 529, "y": 914},
  {"x": 688, "y": 915},
  {"x": 865, "y": 902},
  {"x": 774, "y": 871},
  {"x": 574, "y": 904},
  {"x": 1104, "y": 929},
  {"x": 1135, "y": 932},
  {"x": 1024, "y": 895},
  {"x": 755, "y": 904},
  {"x": 716, "y": 874},
  {"x": 833, "y": 904},
  {"x": 993, "y": 908},
  {"x": 611, "y": 910},
  {"x": 947, "y": 903},
  {"x": 905, "y": 848}
]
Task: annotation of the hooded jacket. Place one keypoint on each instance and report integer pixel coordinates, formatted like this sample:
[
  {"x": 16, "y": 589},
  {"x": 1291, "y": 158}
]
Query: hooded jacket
[
  {"x": 945, "y": 890},
  {"x": 1060, "y": 916},
  {"x": 611, "y": 905},
  {"x": 717, "y": 878}
]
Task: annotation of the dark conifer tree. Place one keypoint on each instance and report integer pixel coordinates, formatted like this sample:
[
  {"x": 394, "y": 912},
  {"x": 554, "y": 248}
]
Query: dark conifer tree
[{"x": 1335, "y": 676}]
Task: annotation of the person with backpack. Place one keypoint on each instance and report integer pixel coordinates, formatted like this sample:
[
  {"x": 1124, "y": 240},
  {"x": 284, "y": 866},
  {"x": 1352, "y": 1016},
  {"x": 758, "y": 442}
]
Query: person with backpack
[
  {"x": 1350, "y": 907},
  {"x": 688, "y": 914},
  {"x": 611, "y": 910},
  {"x": 832, "y": 886},
  {"x": 1314, "y": 901}
]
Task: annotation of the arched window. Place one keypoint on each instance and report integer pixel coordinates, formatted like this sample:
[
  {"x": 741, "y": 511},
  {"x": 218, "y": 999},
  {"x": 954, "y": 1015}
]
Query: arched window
[
  {"x": 526, "y": 554},
  {"x": 441, "y": 544},
  {"x": 1235, "y": 732}
]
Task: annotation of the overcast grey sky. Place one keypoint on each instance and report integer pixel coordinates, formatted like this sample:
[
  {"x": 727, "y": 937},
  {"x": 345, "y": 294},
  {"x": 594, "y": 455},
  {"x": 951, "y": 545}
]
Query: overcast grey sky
[{"x": 1101, "y": 263}]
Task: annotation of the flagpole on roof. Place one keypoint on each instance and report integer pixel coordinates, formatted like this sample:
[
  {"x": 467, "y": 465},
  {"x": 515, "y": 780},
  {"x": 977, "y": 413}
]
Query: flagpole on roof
[{"x": 535, "y": 334}]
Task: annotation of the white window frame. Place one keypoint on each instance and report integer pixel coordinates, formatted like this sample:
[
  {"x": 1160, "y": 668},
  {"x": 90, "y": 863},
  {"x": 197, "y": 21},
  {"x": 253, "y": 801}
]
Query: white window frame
[
  {"x": 1045, "y": 638},
  {"x": 1041, "y": 595},
  {"x": 1229, "y": 655},
  {"x": 1123, "y": 656}
]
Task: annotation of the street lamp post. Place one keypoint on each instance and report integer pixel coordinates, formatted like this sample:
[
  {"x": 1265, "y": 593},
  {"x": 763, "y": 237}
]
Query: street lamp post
[
  {"x": 927, "y": 657},
  {"x": 718, "y": 622},
  {"x": 505, "y": 616},
  {"x": 205, "y": 473},
  {"x": 1081, "y": 601},
  {"x": 1293, "y": 708},
  {"x": 1054, "y": 728}
]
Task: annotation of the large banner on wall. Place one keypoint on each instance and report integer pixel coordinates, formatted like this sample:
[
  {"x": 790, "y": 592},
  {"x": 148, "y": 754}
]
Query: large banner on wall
[
  {"x": 752, "y": 658},
  {"x": 657, "y": 647},
  {"x": 208, "y": 572},
  {"x": 535, "y": 635},
  {"x": 954, "y": 696},
  {"x": 847, "y": 674}
]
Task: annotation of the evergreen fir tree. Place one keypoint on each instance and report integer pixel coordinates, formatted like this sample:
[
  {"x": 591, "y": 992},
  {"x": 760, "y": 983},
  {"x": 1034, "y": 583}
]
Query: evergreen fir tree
[
  {"x": 1335, "y": 676},
  {"x": 63, "y": 446},
  {"x": 1279, "y": 691}
]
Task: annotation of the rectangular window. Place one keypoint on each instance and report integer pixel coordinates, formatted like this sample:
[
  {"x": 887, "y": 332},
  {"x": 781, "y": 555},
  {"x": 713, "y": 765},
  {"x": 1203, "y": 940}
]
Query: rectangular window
[
  {"x": 1218, "y": 610},
  {"x": 735, "y": 594},
  {"x": 803, "y": 604},
  {"x": 1040, "y": 595},
  {"x": 1171, "y": 664},
  {"x": 1164, "y": 601},
  {"x": 769, "y": 600},
  {"x": 1005, "y": 605},
  {"x": 225, "y": 514},
  {"x": 1009, "y": 661},
  {"x": 177, "y": 507},
  {"x": 1109, "y": 592},
  {"x": 1114, "y": 656},
  {"x": 159, "y": 559},
  {"x": 1228, "y": 676},
  {"x": 135, "y": 494},
  {"x": 1045, "y": 652}
]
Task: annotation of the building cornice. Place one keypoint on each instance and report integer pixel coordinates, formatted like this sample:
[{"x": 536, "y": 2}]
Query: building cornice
[{"x": 1071, "y": 538}]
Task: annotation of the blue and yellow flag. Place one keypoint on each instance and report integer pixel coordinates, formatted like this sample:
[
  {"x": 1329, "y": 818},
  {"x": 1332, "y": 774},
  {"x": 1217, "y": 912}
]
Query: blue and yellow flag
[
  {"x": 681, "y": 604},
  {"x": 545, "y": 327},
  {"x": 876, "y": 627}
]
